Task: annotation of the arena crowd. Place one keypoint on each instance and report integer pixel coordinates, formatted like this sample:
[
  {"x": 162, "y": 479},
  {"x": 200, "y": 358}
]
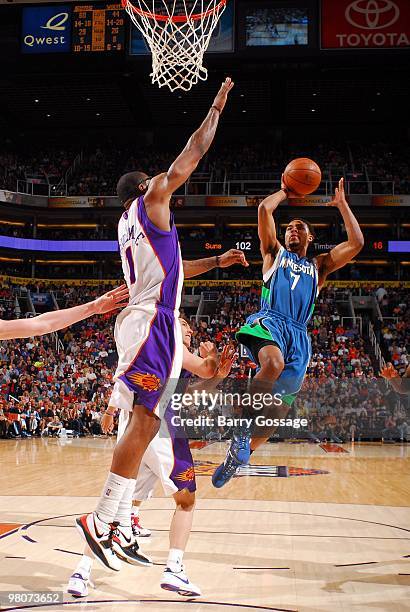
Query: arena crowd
[{"x": 58, "y": 385}]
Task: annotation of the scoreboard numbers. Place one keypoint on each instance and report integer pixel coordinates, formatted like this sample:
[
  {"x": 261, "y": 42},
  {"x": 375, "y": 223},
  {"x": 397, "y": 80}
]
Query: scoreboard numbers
[{"x": 98, "y": 28}]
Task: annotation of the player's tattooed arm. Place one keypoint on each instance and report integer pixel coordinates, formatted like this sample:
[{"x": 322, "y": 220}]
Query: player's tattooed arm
[
  {"x": 344, "y": 252},
  {"x": 196, "y": 267},
  {"x": 59, "y": 319},
  {"x": 203, "y": 365},
  {"x": 400, "y": 385},
  {"x": 162, "y": 186}
]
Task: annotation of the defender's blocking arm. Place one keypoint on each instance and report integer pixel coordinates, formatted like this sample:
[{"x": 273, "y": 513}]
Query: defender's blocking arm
[
  {"x": 226, "y": 360},
  {"x": 205, "y": 365},
  {"x": 344, "y": 252},
  {"x": 200, "y": 266},
  {"x": 162, "y": 186}
]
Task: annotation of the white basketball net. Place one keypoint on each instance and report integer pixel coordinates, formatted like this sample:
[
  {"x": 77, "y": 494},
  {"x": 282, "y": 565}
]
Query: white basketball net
[{"x": 178, "y": 33}]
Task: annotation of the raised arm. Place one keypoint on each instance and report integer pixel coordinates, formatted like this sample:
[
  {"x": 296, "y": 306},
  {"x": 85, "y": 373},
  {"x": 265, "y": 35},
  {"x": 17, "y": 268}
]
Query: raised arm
[
  {"x": 196, "y": 267},
  {"x": 161, "y": 187},
  {"x": 59, "y": 319},
  {"x": 266, "y": 224},
  {"x": 344, "y": 252}
]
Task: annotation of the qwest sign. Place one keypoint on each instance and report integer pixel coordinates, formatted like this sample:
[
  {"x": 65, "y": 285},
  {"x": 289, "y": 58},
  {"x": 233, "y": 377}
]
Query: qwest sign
[
  {"x": 365, "y": 24},
  {"x": 46, "y": 29}
]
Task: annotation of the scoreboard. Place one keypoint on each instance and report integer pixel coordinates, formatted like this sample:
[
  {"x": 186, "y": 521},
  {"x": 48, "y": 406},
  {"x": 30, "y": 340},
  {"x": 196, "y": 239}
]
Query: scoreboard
[{"x": 97, "y": 28}]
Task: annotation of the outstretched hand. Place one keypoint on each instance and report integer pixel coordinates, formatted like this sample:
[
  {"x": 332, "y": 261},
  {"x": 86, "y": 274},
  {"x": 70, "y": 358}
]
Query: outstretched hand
[
  {"x": 112, "y": 300},
  {"x": 233, "y": 257},
  {"x": 226, "y": 360},
  {"x": 208, "y": 349},
  {"x": 222, "y": 95},
  {"x": 340, "y": 198},
  {"x": 389, "y": 372}
]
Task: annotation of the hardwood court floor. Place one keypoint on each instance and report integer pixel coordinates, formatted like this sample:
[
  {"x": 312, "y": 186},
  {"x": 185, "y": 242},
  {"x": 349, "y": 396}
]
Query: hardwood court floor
[{"x": 332, "y": 536}]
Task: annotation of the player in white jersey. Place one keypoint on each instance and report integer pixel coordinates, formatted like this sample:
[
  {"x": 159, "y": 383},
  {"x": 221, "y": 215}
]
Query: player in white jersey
[
  {"x": 147, "y": 332},
  {"x": 168, "y": 459}
]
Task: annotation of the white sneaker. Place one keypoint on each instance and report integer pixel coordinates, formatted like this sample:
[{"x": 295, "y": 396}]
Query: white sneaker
[
  {"x": 125, "y": 546},
  {"x": 98, "y": 536},
  {"x": 179, "y": 583},
  {"x": 137, "y": 529},
  {"x": 77, "y": 586}
]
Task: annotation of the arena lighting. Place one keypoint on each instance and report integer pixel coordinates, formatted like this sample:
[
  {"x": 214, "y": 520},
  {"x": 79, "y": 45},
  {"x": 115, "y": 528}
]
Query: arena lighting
[
  {"x": 66, "y": 261},
  {"x": 241, "y": 225},
  {"x": 66, "y": 246},
  {"x": 398, "y": 246},
  {"x": 376, "y": 225},
  {"x": 371, "y": 262},
  {"x": 314, "y": 224},
  {"x": 195, "y": 225},
  {"x": 67, "y": 225},
  {"x": 19, "y": 259},
  {"x": 19, "y": 223}
]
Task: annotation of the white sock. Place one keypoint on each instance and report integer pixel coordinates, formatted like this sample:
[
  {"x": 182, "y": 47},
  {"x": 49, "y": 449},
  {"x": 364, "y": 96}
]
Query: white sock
[
  {"x": 174, "y": 562},
  {"x": 111, "y": 496},
  {"x": 84, "y": 567},
  {"x": 123, "y": 515}
]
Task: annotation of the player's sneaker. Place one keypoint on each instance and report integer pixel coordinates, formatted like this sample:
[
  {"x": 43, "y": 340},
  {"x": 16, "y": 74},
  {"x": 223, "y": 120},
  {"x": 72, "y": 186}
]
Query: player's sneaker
[
  {"x": 179, "y": 583},
  {"x": 126, "y": 548},
  {"x": 238, "y": 454},
  {"x": 98, "y": 536},
  {"x": 78, "y": 586},
  {"x": 137, "y": 529}
]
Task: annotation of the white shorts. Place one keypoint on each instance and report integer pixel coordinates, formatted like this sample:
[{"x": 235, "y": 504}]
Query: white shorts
[
  {"x": 150, "y": 349},
  {"x": 167, "y": 459}
]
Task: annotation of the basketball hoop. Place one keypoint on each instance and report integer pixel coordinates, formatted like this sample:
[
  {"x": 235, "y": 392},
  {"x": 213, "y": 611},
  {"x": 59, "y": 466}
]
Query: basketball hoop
[{"x": 178, "y": 33}]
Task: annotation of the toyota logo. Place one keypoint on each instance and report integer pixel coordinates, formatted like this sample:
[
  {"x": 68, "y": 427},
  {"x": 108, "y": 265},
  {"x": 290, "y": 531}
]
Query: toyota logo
[{"x": 372, "y": 14}]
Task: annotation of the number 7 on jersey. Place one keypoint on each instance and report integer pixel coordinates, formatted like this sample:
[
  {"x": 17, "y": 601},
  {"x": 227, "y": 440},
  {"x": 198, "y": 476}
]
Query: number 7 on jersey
[{"x": 296, "y": 278}]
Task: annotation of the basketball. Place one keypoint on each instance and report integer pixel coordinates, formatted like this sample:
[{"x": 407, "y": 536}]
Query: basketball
[{"x": 302, "y": 176}]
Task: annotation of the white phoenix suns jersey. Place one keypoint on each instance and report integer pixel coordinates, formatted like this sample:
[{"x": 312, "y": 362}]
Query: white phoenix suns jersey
[{"x": 151, "y": 259}]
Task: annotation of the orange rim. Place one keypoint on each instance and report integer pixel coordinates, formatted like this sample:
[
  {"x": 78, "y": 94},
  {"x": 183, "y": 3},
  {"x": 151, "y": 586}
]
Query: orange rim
[{"x": 175, "y": 18}]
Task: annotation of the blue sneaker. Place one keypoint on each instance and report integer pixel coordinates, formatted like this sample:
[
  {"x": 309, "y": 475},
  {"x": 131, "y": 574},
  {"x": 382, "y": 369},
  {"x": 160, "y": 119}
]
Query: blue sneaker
[{"x": 238, "y": 454}]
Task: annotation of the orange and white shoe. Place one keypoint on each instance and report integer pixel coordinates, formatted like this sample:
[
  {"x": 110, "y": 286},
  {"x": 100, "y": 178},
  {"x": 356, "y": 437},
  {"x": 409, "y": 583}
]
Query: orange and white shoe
[
  {"x": 98, "y": 536},
  {"x": 137, "y": 529}
]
